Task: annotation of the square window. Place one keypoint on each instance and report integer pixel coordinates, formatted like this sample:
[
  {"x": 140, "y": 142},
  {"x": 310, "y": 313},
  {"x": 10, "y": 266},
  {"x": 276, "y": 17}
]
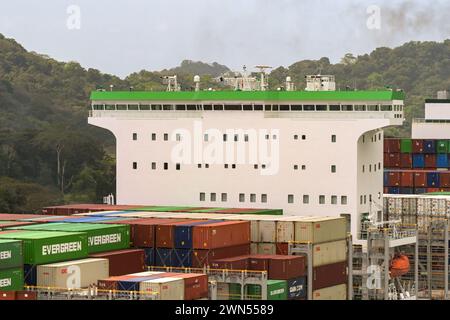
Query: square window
[
  {"x": 295, "y": 166},
  {"x": 177, "y": 167},
  {"x": 207, "y": 166},
  {"x": 166, "y": 136},
  {"x": 199, "y": 165},
  {"x": 305, "y": 199},
  {"x": 134, "y": 136},
  {"x": 267, "y": 137},
  {"x": 134, "y": 165},
  {"x": 153, "y": 165},
  {"x": 202, "y": 196},
  {"x": 213, "y": 197},
  {"x": 333, "y": 169},
  {"x": 264, "y": 198},
  {"x": 166, "y": 165},
  {"x": 333, "y": 138},
  {"x": 153, "y": 136},
  {"x": 206, "y": 137},
  {"x": 263, "y": 166},
  {"x": 246, "y": 138},
  {"x": 274, "y": 137},
  {"x": 233, "y": 166},
  {"x": 333, "y": 199},
  {"x": 295, "y": 137},
  {"x": 255, "y": 166},
  {"x": 252, "y": 197},
  {"x": 303, "y": 137},
  {"x": 224, "y": 197},
  {"x": 178, "y": 137},
  {"x": 343, "y": 199},
  {"x": 224, "y": 137},
  {"x": 321, "y": 199},
  {"x": 236, "y": 137},
  {"x": 290, "y": 198},
  {"x": 303, "y": 167},
  {"x": 241, "y": 197},
  {"x": 226, "y": 166}
]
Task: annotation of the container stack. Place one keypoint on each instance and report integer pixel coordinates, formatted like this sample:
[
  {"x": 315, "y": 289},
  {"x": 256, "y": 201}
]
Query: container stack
[
  {"x": 159, "y": 285},
  {"x": 416, "y": 166},
  {"x": 11, "y": 267}
]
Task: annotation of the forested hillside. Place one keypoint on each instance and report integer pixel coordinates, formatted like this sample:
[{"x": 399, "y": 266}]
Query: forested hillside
[{"x": 50, "y": 155}]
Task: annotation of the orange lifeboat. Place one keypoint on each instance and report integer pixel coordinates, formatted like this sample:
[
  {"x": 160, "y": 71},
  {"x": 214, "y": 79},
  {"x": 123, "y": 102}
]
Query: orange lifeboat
[{"x": 399, "y": 266}]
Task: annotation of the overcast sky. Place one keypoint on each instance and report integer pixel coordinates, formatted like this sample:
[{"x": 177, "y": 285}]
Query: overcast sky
[{"x": 124, "y": 36}]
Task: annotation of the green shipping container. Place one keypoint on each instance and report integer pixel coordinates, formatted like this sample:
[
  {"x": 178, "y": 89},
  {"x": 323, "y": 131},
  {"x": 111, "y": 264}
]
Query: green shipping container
[
  {"x": 41, "y": 247},
  {"x": 276, "y": 290},
  {"x": 101, "y": 237},
  {"x": 234, "y": 291},
  {"x": 443, "y": 146},
  {"x": 405, "y": 145},
  {"x": 11, "y": 279},
  {"x": 11, "y": 254},
  {"x": 160, "y": 208}
]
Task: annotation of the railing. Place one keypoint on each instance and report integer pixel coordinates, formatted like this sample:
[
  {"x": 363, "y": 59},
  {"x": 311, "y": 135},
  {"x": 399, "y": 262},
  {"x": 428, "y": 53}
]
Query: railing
[{"x": 430, "y": 121}]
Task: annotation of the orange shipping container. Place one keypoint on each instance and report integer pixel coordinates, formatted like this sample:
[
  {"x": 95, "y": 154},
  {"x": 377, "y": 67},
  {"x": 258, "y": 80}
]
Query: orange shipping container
[{"x": 220, "y": 235}]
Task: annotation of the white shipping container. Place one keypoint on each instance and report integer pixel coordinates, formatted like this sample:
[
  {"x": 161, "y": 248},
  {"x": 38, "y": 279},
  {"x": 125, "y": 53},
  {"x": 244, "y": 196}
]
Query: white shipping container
[
  {"x": 267, "y": 231},
  {"x": 285, "y": 231},
  {"x": 169, "y": 288},
  {"x": 329, "y": 252},
  {"x": 223, "y": 291},
  {"x": 320, "y": 229},
  {"x": 72, "y": 274},
  {"x": 338, "y": 292},
  {"x": 267, "y": 248}
]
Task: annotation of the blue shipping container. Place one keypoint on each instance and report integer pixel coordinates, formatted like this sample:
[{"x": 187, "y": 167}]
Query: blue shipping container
[
  {"x": 297, "y": 288},
  {"x": 182, "y": 258},
  {"x": 149, "y": 256},
  {"x": 394, "y": 190},
  {"x": 406, "y": 190},
  {"x": 420, "y": 190},
  {"x": 164, "y": 257},
  {"x": 433, "y": 179},
  {"x": 113, "y": 213},
  {"x": 133, "y": 283},
  {"x": 442, "y": 160},
  {"x": 386, "y": 178},
  {"x": 183, "y": 233},
  {"x": 429, "y": 146},
  {"x": 418, "y": 161},
  {"x": 30, "y": 274}
]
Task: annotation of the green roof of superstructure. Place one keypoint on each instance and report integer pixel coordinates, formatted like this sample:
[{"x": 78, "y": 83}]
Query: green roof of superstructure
[{"x": 385, "y": 95}]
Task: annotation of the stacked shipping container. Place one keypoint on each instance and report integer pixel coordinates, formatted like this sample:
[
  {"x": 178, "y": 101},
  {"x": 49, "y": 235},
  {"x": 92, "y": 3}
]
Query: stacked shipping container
[{"x": 416, "y": 166}]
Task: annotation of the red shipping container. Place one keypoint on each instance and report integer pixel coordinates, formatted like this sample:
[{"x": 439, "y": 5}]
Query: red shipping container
[
  {"x": 26, "y": 295},
  {"x": 282, "y": 248},
  {"x": 221, "y": 234},
  {"x": 12, "y": 224},
  {"x": 433, "y": 190},
  {"x": 391, "y": 145},
  {"x": 430, "y": 161},
  {"x": 195, "y": 285},
  {"x": 7, "y": 295},
  {"x": 85, "y": 208},
  {"x": 259, "y": 262},
  {"x": 393, "y": 179},
  {"x": 233, "y": 263},
  {"x": 165, "y": 233},
  {"x": 444, "y": 180},
  {"x": 204, "y": 257},
  {"x": 329, "y": 275},
  {"x": 407, "y": 179},
  {"x": 420, "y": 179},
  {"x": 143, "y": 231},
  {"x": 394, "y": 160},
  {"x": 287, "y": 267},
  {"x": 417, "y": 146},
  {"x": 406, "y": 160},
  {"x": 385, "y": 190},
  {"x": 123, "y": 262},
  {"x": 16, "y": 216}
]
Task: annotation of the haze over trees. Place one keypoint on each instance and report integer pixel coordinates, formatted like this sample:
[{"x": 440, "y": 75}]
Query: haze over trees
[{"x": 50, "y": 155}]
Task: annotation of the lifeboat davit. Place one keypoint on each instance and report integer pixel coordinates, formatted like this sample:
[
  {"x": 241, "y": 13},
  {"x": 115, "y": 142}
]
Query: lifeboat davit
[{"x": 399, "y": 266}]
